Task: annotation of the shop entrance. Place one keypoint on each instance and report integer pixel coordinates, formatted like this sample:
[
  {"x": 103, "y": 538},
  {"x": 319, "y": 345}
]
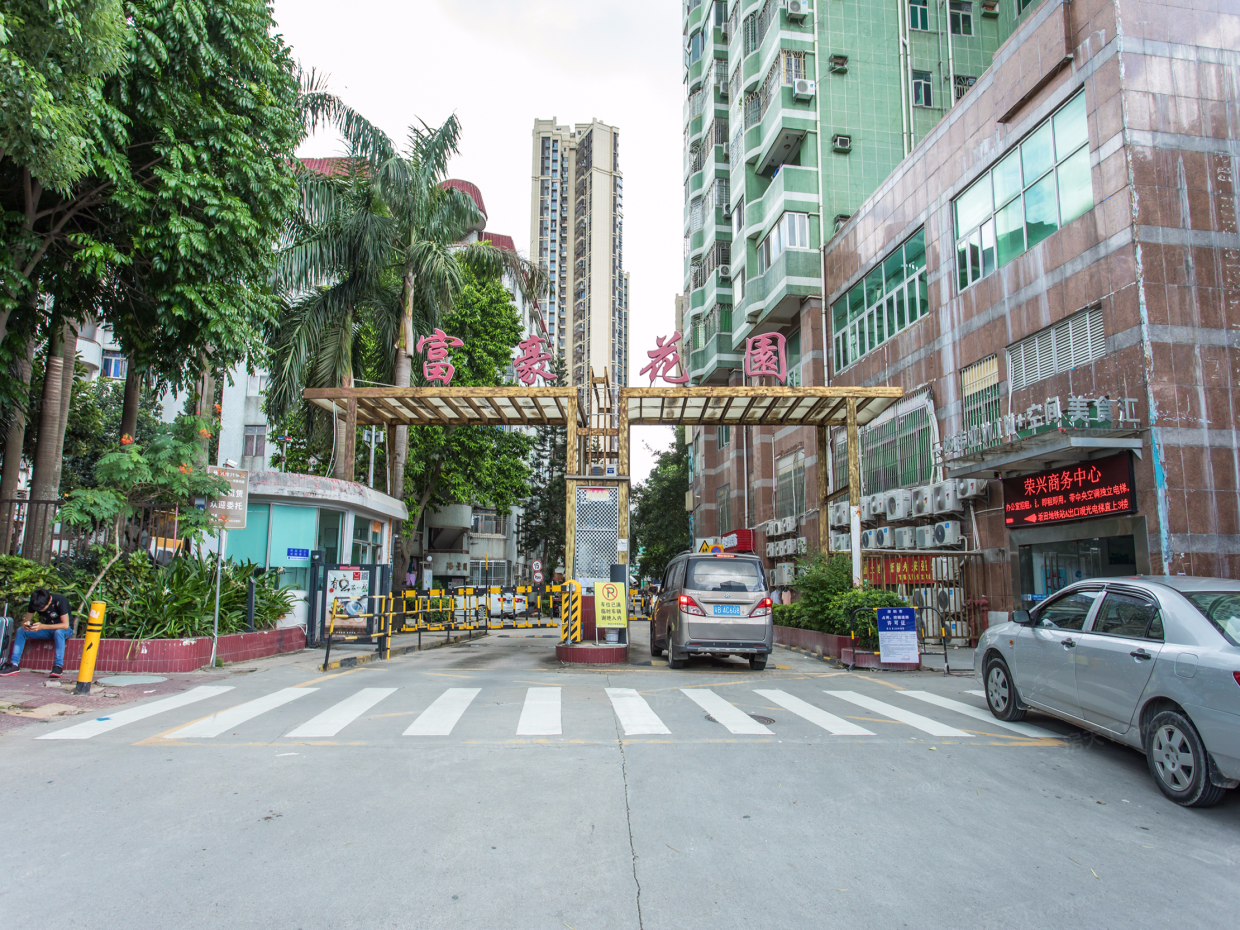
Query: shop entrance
[{"x": 1047, "y": 567}]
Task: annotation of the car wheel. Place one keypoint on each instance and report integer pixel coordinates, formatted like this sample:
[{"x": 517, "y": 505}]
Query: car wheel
[
  {"x": 672, "y": 660},
  {"x": 1001, "y": 695},
  {"x": 1178, "y": 761},
  {"x": 757, "y": 663},
  {"x": 655, "y": 649}
]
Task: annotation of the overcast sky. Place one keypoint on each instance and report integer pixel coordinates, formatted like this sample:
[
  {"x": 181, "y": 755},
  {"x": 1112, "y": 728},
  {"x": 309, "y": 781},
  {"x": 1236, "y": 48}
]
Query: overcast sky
[{"x": 499, "y": 64}]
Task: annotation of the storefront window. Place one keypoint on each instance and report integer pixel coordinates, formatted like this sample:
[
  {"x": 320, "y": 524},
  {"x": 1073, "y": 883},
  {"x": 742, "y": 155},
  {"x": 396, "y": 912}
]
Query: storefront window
[
  {"x": 367, "y": 540},
  {"x": 1047, "y": 567},
  {"x": 329, "y": 535}
]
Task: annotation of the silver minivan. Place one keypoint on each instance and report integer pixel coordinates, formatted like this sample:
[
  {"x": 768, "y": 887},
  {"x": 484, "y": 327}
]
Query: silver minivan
[
  {"x": 713, "y": 604},
  {"x": 1151, "y": 662}
]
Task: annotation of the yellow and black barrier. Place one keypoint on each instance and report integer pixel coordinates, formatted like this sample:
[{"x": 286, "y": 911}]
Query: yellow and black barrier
[
  {"x": 382, "y": 630},
  {"x": 570, "y": 613},
  {"x": 90, "y": 648},
  {"x": 469, "y": 608}
]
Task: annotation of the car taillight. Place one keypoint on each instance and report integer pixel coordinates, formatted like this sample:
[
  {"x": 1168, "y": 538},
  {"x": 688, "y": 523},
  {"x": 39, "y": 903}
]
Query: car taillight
[
  {"x": 763, "y": 609},
  {"x": 689, "y": 606},
  {"x": 1236, "y": 675}
]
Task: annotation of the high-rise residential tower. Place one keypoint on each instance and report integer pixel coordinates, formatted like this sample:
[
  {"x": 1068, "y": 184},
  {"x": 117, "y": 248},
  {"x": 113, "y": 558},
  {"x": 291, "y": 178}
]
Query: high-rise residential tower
[{"x": 577, "y": 236}]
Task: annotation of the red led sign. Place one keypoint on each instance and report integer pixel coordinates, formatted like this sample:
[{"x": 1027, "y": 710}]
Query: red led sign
[{"x": 1099, "y": 488}]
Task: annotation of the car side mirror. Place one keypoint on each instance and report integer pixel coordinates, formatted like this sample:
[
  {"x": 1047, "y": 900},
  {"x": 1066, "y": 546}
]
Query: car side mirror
[{"x": 1022, "y": 617}]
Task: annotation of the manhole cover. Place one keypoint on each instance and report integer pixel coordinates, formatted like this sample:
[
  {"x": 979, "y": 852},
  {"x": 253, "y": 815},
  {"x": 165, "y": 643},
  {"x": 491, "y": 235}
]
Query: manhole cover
[
  {"x": 758, "y": 717},
  {"x": 119, "y": 680}
]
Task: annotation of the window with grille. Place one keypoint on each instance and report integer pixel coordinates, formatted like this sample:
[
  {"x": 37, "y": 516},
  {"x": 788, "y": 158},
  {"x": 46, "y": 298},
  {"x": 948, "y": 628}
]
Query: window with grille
[
  {"x": 793, "y": 65},
  {"x": 488, "y": 523},
  {"x": 695, "y": 214},
  {"x": 723, "y": 509},
  {"x": 255, "y": 440},
  {"x": 962, "y": 84},
  {"x": 896, "y": 452},
  {"x": 979, "y": 386},
  {"x": 1042, "y": 184},
  {"x": 918, "y": 15},
  {"x": 790, "y": 485},
  {"x": 922, "y": 93},
  {"x": 794, "y": 359},
  {"x": 961, "y": 17},
  {"x": 1074, "y": 341}
]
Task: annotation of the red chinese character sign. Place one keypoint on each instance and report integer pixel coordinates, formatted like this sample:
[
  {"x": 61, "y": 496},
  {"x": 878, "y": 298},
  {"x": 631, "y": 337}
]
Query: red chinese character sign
[
  {"x": 766, "y": 355},
  {"x": 531, "y": 364},
  {"x": 664, "y": 360},
  {"x": 437, "y": 367},
  {"x": 1100, "y": 488}
]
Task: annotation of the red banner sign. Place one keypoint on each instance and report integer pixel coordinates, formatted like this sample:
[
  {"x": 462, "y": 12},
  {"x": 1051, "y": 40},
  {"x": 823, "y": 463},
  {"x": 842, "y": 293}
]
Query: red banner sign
[
  {"x": 1099, "y": 488},
  {"x": 898, "y": 569}
]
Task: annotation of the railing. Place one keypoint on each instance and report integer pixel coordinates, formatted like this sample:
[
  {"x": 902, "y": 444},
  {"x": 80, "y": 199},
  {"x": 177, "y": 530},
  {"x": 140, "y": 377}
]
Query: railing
[{"x": 34, "y": 531}]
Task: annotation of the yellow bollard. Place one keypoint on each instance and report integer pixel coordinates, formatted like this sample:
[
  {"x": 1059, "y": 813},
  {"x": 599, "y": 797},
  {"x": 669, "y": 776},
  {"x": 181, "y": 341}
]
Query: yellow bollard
[{"x": 90, "y": 648}]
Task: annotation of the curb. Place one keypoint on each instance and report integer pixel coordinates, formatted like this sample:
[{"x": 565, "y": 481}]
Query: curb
[
  {"x": 809, "y": 653},
  {"x": 368, "y": 657}
]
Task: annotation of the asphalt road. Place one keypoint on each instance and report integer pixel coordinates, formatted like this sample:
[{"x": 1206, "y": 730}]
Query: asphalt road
[{"x": 929, "y": 817}]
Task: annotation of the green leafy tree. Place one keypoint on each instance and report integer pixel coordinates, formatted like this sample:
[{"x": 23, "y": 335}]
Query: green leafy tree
[
  {"x": 544, "y": 528},
  {"x": 821, "y": 580},
  {"x": 659, "y": 526}
]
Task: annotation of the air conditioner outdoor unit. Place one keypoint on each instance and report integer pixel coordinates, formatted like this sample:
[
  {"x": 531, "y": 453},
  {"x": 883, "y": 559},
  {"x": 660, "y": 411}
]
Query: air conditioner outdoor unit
[
  {"x": 949, "y": 600},
  {"x": 802, "y": 89},
  {"x": 841, "y": 143},
  {"x": 867, "y": 539},
  {"x": 944, "y": 568},
  {"x": 789, "y": 525},
  {"x": 923, "y": 501},
  {"x": 922, "y": 597},
  {"x": 885, "y": 537},
  {"x": 873, "y": 507},
  {"x": 906, "y": 537},
  {"x": 802, "y": 545},
  {"x": 947, "y": 533},
  {"x": 925, "y": 537},
  {"x": 785, "y": 574},
  {"x": 841, "y": 542},
  {"x": 781, "y": 548},
  {"x": 899, "y": 504},
  {"x": 946, "y": 497},
  {"x": 770, "y": 550},
  {"x": 724, "y": 272},
  {"x": 969, "y": 488},
  {"x": 772, "y": 528},
  {"x": 839, "y": 513},
  {"x": 798, "y": 9}
]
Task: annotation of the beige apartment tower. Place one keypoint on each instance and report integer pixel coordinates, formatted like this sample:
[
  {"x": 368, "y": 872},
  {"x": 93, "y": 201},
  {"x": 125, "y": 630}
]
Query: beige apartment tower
[{"x": 577, "y": 234}]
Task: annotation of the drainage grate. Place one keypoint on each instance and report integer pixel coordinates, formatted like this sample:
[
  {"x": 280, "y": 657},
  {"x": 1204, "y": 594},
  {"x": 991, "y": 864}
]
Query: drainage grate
[{"x": 758, "y": 717}]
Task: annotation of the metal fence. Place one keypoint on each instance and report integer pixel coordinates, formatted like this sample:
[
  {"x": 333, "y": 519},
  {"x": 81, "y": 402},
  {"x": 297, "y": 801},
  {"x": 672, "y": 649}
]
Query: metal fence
[
  {"x": 33, "y": 530},
  {"x": 950, "y": 582}
]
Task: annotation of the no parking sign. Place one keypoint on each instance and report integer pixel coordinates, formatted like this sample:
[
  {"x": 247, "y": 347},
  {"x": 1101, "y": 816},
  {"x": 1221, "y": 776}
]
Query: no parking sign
[{"x": 897, "y": 634}]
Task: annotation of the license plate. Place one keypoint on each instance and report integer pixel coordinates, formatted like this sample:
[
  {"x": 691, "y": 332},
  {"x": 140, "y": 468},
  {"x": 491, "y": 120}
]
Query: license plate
[{"x": 727, "y": 610}]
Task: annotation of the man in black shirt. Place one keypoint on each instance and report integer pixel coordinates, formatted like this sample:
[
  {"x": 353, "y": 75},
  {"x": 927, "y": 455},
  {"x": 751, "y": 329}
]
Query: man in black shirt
[{"x": 53, "y": 624}]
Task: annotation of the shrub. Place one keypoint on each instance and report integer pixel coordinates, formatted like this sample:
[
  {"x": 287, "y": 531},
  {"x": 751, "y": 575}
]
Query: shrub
[
  {"x": 838, "y": 618},
  {"x": 18, "y": 579},
  {"x": 823, "y": 577},
  {"x": 790, "y": 615}
]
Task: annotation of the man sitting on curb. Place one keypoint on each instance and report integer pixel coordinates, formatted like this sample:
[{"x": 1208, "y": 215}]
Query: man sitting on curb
[{"x": 53, "y": 612}]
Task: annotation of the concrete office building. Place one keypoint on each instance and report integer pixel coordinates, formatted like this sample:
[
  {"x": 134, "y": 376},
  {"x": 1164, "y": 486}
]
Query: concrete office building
[
  {"x": 577, "y": 236},
  {"x": 1053, "y": 276},
  {"x": 795, "y": 113}
]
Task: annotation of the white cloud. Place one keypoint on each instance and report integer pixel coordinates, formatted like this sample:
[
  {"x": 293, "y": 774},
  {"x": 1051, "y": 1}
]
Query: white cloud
[{"x": 499, "y": 64}]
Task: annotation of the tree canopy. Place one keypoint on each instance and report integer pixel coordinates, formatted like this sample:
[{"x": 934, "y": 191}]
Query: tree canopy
[{"x": 660, "y": 523}]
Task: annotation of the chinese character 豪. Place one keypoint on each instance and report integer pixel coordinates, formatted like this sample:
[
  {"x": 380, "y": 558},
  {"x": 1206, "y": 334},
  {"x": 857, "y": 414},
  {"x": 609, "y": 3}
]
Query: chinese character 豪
[
  {"x": 531, "y": 364},
  {"x": 437, "y": 367},
  {"x": 664, "y": 360},
  {"x": 764, "y": 355},
  {"x": 1078, "y": 410}
]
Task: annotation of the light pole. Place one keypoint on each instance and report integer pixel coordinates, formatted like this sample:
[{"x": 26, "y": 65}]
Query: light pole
[{"x": 371, "y": 436}]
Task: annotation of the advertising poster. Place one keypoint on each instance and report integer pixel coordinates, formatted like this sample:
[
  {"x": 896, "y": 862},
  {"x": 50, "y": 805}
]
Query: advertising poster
[{"x": 350, "y": 589}]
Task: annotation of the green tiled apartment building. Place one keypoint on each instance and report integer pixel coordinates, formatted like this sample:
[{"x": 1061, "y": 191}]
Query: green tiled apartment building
[{"x": 796, "y": 111}]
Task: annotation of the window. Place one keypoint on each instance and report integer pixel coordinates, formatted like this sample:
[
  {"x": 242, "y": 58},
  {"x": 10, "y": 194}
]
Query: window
[
  {"x": 1042, "y": 184},
  {"x": 723, "y": 510},
  {"x": 896, "y": 451},
  {"x": 256, "y": 385},
  {"x": 738, "y": 219},
  {"x": 1068, "y": 613},
  {"x": 113, "y": 365},
  {"x": 1222, "y": 609},
  {"x": 696, "y": 214},
  {"x": 488, "y": 523},
  {"x": 697, "y": 454},
  {"x": 962, "y": 83},
  {"x": 1022, "y": 5},
  {"x": 1128, "y": 616},
  {"x": 793, "y": 65},
  {"x": 488, "y": 572},
  {"x": 693, "y": 48},
  {"x": 979, "y": 385},
  {"x": 723, "y": 436},
  {"x": 921, "y": 89},
  {"x": 725, "y": 575},
  {"x": 918, "y": 15},
  {"x": 1073, "y": 341},
  {"x": 738, "y": 286},
  {"x": 961, "y": 18},
  {"x": 256, "y": 440},
  {"x": 790, "y": 485},
  {"x": 793, "y": 349},
  {"x": 892, "y": 297},
  {"x": 790, "y": 232},
  {"x": 367, "y": 540}
]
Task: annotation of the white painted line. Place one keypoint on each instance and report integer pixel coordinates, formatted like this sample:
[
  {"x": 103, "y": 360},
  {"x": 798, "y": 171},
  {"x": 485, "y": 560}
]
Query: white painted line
[
  {"x": 337, "y": 717},
  {"x": 120, "y": 718},
  {"x": 815, "y": 715},
  {"x": 925, "y": 724},
  {"x": 541, "y": 714},
  {"x": 635, "y": 714},
  {"x": 1025, "y": 729},
  {"x": 981, "y": 694},
  {"x": 225, "y": 720},
  {"x": 732, "y": 717},
  {"x": 441, "y": 716}
]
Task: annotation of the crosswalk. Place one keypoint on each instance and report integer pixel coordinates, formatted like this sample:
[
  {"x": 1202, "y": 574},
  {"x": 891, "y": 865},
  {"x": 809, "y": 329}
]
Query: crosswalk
[{"x": 543, "y": 714}]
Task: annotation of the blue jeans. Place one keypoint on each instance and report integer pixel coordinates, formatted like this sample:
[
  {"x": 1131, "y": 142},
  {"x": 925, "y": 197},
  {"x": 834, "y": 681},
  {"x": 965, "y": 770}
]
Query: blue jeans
[{"x": 58, "y": 636}]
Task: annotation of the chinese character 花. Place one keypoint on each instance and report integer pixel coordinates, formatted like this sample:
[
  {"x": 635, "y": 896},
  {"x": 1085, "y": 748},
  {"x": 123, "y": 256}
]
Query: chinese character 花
[
  {"x": 765, "y": 355},
  {"x": 664, "y": 360},
  {"x": 437, "y": 367}
]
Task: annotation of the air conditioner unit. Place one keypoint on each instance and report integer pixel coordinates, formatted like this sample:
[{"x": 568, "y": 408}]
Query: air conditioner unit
[
  {"x": 724, "y": 272},
  {"x": 785, "y": 574},
  {"x": 802, "y": 545},
  {"x": 841, "y": 143},
  {"x": 969, "y": 488},
  {"x": 789, "y": 525},
  {"x": 772, "y": 528},
  {"x": 949, "y": 600},
  {"x": 873, "y": 507},
  {"x": 867, "y": 539},
  {"x": 899, "y": 504},
  {"x": 922, "y": 597},
  {"x": 925, "y": 537},
  {"x": 923, "y": 501},
  {"x": 906, "y": 537},
  {"x": 770, "y": 550},
  {"x": 841, "y": 542},
  {"x": 781, "y": 548},
  {"x": 946, "y": 497},
  {"x": 798, "y": 9},
  {"x": 802, "y": 89},
  {"x": 944, "y": 568},
  {"x": 839, "y": 64},
  {"x": 839, "y": 513},
  {"x": 947, "y": 534},
  {"x": 885, "y": 537}
]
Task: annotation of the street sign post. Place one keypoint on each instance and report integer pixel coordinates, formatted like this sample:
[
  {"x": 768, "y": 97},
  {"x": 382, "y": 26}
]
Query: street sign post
[
  {"x": 897, "y": 634},
  {"x": 538, "y": 577},
  {"x": 536, "y": 565}
]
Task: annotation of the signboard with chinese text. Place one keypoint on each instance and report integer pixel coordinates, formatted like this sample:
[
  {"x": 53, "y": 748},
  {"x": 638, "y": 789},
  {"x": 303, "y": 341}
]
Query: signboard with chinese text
[
  {"x": 897, "y": 634},
  {"x": 231, "y": 507},
  {"x": 899, "y": 569},
  {"x": 1098, "y": 488},
  {"x": 610, "y": 602},
  {"x": 348, "y": 588}
]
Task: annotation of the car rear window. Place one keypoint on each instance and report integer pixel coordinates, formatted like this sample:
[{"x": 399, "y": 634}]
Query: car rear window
[
  {"x": 1222, "y": 608},
  {"x": 725, "y": 575}
]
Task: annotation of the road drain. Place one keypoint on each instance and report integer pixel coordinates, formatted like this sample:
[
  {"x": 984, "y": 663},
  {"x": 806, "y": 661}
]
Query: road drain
[{"x": 757, "y": 717}]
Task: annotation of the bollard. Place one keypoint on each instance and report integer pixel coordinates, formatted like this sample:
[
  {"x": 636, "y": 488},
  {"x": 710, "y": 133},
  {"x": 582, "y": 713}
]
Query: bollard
[{"x": 90, "y": 648}]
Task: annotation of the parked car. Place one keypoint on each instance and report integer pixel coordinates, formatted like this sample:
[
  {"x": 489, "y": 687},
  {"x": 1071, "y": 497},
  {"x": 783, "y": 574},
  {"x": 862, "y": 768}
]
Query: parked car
[
  {"x": 713, "y": 604},
  {"x": 1151, "y": 662}
]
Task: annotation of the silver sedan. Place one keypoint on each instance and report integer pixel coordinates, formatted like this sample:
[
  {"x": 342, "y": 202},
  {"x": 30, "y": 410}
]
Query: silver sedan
[{"x": 1151, "y": 662}]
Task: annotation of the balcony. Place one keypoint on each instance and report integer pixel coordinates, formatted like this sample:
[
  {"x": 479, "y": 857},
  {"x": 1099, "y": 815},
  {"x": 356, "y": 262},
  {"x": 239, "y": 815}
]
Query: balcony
[{"x": 774, "y": 298}]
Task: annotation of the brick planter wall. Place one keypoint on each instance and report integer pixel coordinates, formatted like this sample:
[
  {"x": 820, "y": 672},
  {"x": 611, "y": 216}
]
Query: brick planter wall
[
  {"x": 163, "y": 656},
  {"x": 829, "y": 644}
]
